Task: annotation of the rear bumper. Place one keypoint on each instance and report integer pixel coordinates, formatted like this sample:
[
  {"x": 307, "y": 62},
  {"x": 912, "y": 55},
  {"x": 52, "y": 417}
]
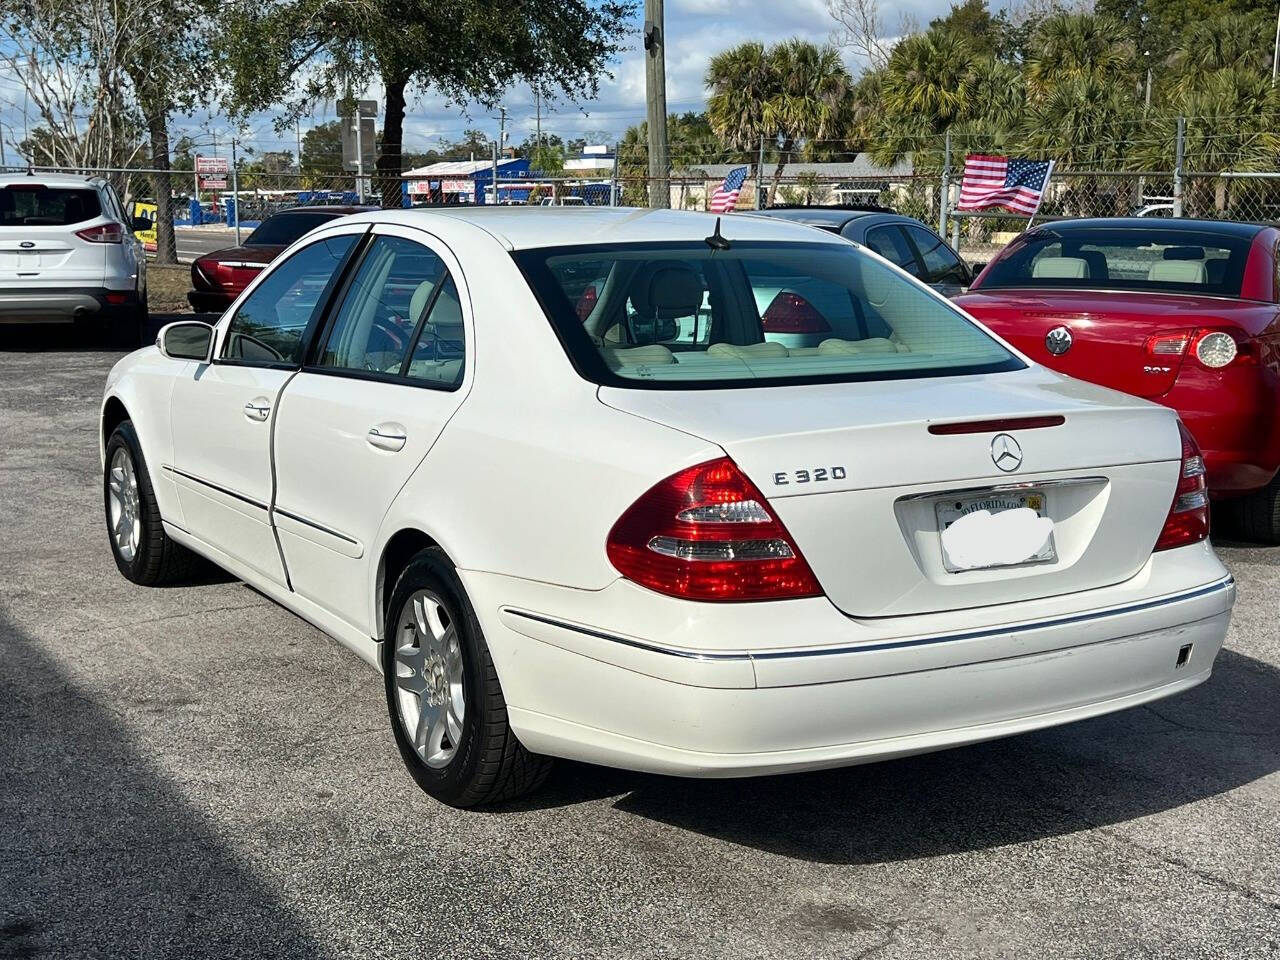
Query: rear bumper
[
  {"x": 64, "y": 304},
  {"x": 207, "y": 301},
  {"x": 853, "y": 692}
]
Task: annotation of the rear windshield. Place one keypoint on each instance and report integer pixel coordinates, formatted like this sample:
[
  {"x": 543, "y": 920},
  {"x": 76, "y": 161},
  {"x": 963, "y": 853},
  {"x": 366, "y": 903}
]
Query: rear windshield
[
  {"x": 1124, "y": 258},
  {"x": 684, "y": 316},
  {"x": 284, "y": 228},
  {"x": 26, "y": 205}
]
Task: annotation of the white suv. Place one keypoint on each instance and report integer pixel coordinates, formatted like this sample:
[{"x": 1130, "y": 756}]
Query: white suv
[{"x": 68, "y": 255}]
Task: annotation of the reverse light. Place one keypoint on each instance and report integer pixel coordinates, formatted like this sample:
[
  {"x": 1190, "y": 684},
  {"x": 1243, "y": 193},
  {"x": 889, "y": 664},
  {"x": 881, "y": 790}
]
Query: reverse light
[
  {"x": 706, "y": 533},
  {"x": 1188, "y": 519},
  {"x": 103, "y": 233},
  {"x": 791, "y": 313},
  {"x": 1215, "y": 350}
]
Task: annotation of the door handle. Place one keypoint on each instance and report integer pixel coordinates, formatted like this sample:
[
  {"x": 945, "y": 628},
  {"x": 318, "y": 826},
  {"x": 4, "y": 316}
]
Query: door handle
[
  {"x": 258, "y": 409},
  {"x": 387, "y": 436}
]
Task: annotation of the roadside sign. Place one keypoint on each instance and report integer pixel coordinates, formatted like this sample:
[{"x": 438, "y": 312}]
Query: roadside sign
[
  {"x": 213, "y": 183},
  {"x": 211, "y": 165}
]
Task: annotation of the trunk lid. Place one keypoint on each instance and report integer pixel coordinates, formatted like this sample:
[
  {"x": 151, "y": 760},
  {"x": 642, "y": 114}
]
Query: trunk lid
[
  {"x": 871, "y": 529},
  {"x": 1108, "y": 331},
  {"x": 233, "y": 269},
  {"x": 42, "y": 255}
]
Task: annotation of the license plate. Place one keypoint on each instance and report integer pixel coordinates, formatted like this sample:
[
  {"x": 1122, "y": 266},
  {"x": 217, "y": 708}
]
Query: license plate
[{"x": 989, "y": 541}]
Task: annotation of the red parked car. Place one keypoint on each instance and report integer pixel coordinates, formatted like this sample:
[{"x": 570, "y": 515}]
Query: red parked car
[
  {"x": 218, "y": 278},
  {"x": 1182, "y": 312}
]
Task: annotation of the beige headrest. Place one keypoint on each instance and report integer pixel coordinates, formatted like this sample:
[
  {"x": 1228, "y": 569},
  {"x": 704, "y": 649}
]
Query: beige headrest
[
  {"x": 872, "y": 345},
  {"x": 1178, "y": 271},
  {"x": 1061, "y": 268},
  {"x": 749, "y": 351},
  {"x": 654, "y": 354}
]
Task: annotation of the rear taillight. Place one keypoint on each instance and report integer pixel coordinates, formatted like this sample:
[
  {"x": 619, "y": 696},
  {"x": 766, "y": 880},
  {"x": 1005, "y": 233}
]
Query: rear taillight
[
  {"x": 1212, "y": 349},
  {"x": 706, "y": 533},
  {"x": 1188, "y": 520},
  {"x": 103, "y": 233},
  {"x": 791, "y": 313}
]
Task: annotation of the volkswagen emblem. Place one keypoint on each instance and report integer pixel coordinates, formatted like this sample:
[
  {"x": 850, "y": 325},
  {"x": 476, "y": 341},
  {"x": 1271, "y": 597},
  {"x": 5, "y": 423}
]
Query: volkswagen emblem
[
  {"x": 27, "y": 244},
  {"x": 1005, "y": 453},
  {"x": 1058, "y": 341}
]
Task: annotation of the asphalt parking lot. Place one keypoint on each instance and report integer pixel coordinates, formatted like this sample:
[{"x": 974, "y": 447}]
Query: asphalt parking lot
[{"x": 195, "y": 772}]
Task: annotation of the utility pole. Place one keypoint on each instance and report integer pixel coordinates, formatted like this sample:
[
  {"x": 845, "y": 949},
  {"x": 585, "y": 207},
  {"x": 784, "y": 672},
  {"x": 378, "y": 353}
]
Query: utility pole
[
  {"x": 613, "y": 180},
  {"x": 359, "y": 157},
  {"x": 1177, "y": 167},
  {"x": 537, "y": 100},
  {"x": 502, "y": 129},
  {"x": 297, "y": 130},
  {"x": 944, "y": 198},
  {"x": 235, "y": 191},
  {"x": 655, "y": 87},
  {"x": 760, "y": 177},
  {"x": 495, "y": 173}
]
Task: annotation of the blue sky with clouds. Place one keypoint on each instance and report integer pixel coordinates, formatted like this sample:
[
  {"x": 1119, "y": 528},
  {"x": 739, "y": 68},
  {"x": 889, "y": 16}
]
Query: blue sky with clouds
[{"x": 696, "y": 29}]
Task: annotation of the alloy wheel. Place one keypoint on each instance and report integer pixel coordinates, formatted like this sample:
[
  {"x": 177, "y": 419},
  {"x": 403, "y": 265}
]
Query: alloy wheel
[
  {"x": 429, "y": 678},
  {"x": 124, "y": 505}
]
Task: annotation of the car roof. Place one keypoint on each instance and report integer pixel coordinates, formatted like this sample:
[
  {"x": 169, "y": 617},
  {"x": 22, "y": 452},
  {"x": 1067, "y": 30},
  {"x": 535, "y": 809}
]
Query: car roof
[
  {"x": 1231, "y": 228},
  {"x": 832, "y": 218},
  {"x": 521, "y": 228},
  {"x": 50, "y": 180},
  {"x": 336, "y": 209}
]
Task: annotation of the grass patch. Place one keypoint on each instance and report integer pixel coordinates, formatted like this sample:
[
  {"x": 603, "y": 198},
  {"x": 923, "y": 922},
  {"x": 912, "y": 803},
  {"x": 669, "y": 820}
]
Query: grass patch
[{"x": 167, "y": 288}]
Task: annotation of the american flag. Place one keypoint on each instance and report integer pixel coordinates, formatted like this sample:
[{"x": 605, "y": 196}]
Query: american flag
[
  {"x": 1017, "y": 185},
  {"x": 726, "y": 196}
]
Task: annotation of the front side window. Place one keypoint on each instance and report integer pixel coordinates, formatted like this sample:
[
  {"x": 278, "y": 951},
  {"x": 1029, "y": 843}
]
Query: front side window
[
  {"x": 681, "y": 315},
  {"x": 1124, "y": 258},
  {"x": 270, "y": 325},
  {"x": 400, "y": 317},
  {"x": 940, "y": 264}
]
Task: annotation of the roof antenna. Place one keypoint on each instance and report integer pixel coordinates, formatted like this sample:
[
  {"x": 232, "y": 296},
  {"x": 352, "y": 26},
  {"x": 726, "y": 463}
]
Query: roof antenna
[{"x": 716, "y": 241}]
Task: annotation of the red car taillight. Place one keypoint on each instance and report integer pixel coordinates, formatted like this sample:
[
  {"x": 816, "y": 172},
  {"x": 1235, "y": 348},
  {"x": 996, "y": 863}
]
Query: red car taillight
[
  {"x": 705, "y": 533},
  {"x": 1213, "y": 349},
  {"x": 791, "y": 313},
  {"x": 1188, "y": 520},
  {"x": 103, "y": 233}
]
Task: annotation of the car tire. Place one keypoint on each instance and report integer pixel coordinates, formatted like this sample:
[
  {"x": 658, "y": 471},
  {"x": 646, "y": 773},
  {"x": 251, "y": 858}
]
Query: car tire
[
  {"x": 1257, "y": 516},
  {"x": 144, "y": 553},
  {"x": 445, "y": 703}
]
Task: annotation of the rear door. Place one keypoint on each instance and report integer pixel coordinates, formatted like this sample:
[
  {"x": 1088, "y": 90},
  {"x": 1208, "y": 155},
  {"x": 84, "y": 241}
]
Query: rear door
[
  {"x": 39, "y": 243},
  {"x": 384, "y": 378}
]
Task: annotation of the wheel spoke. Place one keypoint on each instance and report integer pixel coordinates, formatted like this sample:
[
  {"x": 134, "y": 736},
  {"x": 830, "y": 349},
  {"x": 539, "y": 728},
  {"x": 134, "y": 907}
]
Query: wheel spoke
[
  {"x": 453, "y": 721},
  {"x": 428, "y": 720}
]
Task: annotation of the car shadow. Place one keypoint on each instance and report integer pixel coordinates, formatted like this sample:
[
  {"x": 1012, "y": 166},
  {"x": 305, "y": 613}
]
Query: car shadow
[
  {"x": 1219, "y": 736},
  {"x": 102, "y": 855}
]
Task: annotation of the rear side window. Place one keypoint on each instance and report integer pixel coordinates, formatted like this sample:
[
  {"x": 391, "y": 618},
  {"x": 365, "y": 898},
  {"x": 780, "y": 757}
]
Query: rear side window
[
  {"x": 891, "y": 243},
  {"x": 269, "y": 327},
  {"x": 940, "y": 264},
  {"x": 1124, "y": 258},
  {"x": 681, "y": 315},
  {"x": 400, "y": 317},
  {"x": 22, "y": 205}
]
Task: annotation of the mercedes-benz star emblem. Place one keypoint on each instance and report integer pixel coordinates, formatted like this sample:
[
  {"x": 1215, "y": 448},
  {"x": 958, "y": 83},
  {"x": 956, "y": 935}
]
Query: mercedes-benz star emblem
[
  {"x": 1058, "y": 341},
  {"x": 1005, "y": 453}
]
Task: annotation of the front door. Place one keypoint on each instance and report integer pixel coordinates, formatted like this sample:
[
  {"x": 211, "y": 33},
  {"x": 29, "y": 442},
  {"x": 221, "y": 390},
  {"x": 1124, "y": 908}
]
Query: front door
[
  {"x": 223, "y": 413},
  {"x": 386, "y": 374}
]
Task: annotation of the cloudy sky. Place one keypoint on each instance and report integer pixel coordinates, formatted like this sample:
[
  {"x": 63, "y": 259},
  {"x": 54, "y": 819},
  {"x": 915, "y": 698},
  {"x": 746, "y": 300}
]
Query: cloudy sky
[{"x": 696, "y": 29}]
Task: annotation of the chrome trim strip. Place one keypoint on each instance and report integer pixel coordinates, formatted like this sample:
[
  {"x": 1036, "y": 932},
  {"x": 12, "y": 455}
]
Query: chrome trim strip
[
  {"x": 315, "y": 526},
  {"x": 627, "y": 641},
  {"x": 1220, "y": 586},
  {"x": 213, "y": 486},
  {"x": 1000, "y": 488}
]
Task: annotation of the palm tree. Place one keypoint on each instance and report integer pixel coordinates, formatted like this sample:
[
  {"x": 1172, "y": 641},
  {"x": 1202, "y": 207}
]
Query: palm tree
[
  {"x": 789, "y": 95},
  {"x": 928, "y": 77},
  {"x": 1078, "y": 47}
]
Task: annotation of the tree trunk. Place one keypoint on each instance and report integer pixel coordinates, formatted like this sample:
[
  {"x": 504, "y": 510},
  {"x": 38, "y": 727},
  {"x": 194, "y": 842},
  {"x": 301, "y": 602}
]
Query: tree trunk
[
  {"x": 157, "y": 117},
  {"x": 784, "y": 154},
  {"x": 390, "y": 164}
]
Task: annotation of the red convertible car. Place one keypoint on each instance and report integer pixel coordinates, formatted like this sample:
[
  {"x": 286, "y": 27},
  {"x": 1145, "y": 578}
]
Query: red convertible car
[
  {"x": 1183, "y": 312},
  {"x": 218, "y": 278}
]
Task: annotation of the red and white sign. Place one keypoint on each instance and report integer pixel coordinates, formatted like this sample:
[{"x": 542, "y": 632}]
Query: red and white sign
[
  {"x": 212, "y": 165},
  {"x": 213, "y": 183},
  {"x": 419, "y": 188},
  {"x": 457, "y": 186}
]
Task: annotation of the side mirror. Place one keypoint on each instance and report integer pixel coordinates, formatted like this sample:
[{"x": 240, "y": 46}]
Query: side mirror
[
  {"x": 186, "y": 340},
  {"x": 142, "y": 224}
]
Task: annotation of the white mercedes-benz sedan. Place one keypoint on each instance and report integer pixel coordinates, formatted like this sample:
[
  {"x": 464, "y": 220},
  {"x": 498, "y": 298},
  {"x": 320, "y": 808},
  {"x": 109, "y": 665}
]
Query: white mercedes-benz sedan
[{"x": 566, "y": 479}]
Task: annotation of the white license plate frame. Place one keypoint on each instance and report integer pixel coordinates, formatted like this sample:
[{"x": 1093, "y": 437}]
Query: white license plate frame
[{"x": 951, "y": 508}]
